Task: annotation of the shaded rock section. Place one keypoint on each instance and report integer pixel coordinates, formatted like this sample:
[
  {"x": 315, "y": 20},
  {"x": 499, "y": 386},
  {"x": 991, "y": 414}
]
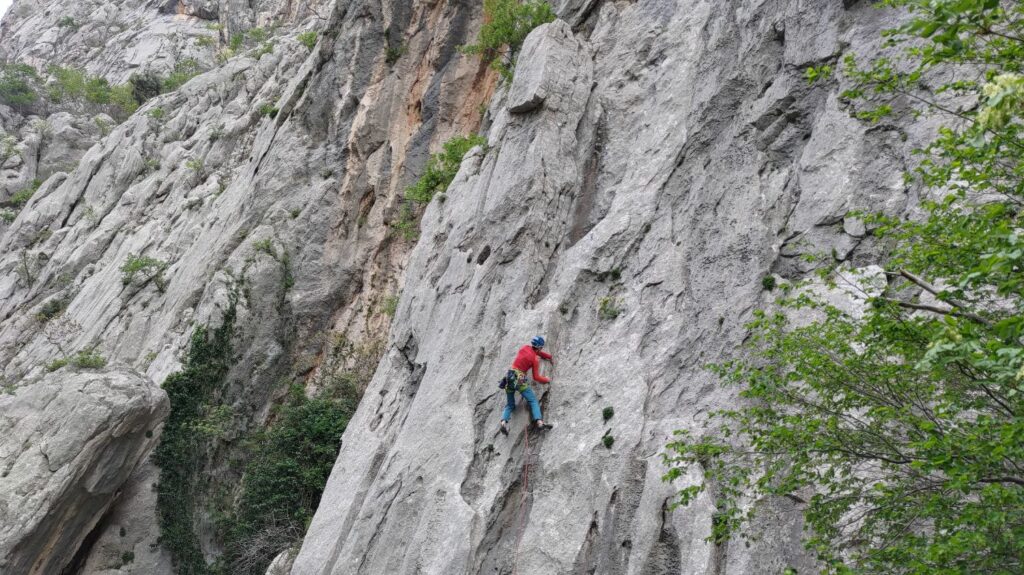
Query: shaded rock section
[{"x": 68, "y": 443}]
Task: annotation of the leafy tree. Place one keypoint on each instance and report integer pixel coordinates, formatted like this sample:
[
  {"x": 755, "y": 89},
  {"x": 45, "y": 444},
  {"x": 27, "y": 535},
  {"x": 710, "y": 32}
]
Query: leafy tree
[
  {"x": 507, "y": 24},
  {"x": 901, "y": 431},
  {"x": 442, "y": 167}
]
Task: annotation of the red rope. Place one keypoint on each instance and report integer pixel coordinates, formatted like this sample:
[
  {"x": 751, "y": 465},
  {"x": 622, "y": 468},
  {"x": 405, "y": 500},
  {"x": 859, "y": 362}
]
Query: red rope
[{"x": 522, "y": 500}]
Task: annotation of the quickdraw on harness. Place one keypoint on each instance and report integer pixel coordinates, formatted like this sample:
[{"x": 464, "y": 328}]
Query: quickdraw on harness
[{"x": 514, "y": 380}]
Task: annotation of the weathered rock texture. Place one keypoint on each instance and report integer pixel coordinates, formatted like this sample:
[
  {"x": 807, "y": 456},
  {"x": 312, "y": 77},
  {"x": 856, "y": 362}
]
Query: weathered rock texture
[
  {"x": 654, "y": 160},
  {"x": 70, "y": 440},
  {"x": 649, "y": 164},
  {"x": 272, "y": 179},
  {"x": 114, "y": 38}
]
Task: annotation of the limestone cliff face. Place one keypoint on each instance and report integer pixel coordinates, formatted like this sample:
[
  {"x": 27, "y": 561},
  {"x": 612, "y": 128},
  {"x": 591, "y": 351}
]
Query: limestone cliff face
[
  {"x": 304, "y": 152},
  {"x": 648, "y": 165},
  {"x": 70, "y": 440}
]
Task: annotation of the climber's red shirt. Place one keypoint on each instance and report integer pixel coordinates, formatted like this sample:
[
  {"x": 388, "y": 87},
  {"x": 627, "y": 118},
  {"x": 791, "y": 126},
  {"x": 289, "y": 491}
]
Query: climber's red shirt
[{"x": 528, "y": 359}]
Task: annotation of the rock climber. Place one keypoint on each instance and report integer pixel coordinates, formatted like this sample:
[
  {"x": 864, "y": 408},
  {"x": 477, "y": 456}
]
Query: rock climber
[{"x": 528, "y": 358}]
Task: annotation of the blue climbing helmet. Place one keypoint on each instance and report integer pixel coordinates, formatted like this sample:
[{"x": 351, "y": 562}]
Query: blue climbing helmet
[{"x": 537, "y": 341}]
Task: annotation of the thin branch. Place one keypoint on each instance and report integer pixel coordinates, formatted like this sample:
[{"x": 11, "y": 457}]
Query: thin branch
[
  {"x": 1013, "y": 480},
  {"x": 953, "y": 312}
]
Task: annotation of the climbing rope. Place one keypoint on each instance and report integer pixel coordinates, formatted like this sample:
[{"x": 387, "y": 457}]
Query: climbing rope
[{"x": 522, "y": 500}]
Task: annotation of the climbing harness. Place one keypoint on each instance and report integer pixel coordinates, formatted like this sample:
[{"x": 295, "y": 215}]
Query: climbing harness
[{"x": 514, "y": 380}]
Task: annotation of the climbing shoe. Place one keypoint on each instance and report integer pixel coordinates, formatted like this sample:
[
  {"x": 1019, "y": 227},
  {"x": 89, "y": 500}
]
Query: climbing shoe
[
  {"x": 545, "y": 426},
  {"x": 504, "y": 428}
]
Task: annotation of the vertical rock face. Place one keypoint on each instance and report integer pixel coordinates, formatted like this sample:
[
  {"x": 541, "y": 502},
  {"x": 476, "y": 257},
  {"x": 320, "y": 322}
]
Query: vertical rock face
[
  {"x": 68, "y": 443},
  {"x": 650, "y": 163},
  {"x": 271, "y": 180}
]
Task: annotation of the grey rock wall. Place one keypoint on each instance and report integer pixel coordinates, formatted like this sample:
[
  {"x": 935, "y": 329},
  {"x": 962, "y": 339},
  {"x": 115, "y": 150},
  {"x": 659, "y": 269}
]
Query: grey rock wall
[
  {"x": 116, "y": 38},
  {"x": 70, "y": 441},
  {"x": 652, "y": 159},
  {"x": 273, "y": 178}
]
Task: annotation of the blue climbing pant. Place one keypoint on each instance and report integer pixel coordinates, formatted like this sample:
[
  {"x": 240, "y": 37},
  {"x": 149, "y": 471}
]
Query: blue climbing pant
[{"x": 530, "y": 397}]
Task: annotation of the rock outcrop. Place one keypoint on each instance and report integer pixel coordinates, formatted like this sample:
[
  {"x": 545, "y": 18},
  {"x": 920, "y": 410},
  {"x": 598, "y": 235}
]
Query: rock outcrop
[
  {"x": 272, "y": 180},
  {"x": 69, "y": 443},
  {"x": 649, "y": 164}
]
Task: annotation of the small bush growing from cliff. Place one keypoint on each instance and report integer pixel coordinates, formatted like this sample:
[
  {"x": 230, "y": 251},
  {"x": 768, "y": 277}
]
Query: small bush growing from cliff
[
  {"x": 266, "y": 246},
  {"x": 389, "y": 306},
  {"x": 21, "y": 197},
  {"x": 405, "y": 223},
  {"x": 88, "y": 359},
  {"x": 67, "y": 22},
  {"x": 608, "y": 413},
  {"x": 183, "y": 72},
  {"x": 508, "y": 23},
  {"x": 268, "y": 110},
  {"x": 768, "y": 283},
  {"x": 17, "y": 85},
  {"x": 85, "y": 359},
  {"x": 70, "y": 84},
  {"x": 144, "y": 86},
  {"x": 264, "y": 49},
  {"x": 51, "y": 309},
  {"x": 307, "y": 39},
  {"x": 394, "y": 53},
  {"x": 257, "y": 34},
  {"x": 608, "y": 308},
  {"x": 143, "y": 269},
  {"x": 608, "y": 440},
  {"x": 442, "y": 167}
]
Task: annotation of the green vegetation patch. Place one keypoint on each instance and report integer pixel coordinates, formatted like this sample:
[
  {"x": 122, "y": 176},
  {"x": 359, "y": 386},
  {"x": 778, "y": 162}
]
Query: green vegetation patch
[
  {"x": 285, "y": 477},
  {"x": 140, "y": 270},
  {"x": 183, "y": 71},
  {"x": 307, "y": 39},
  {"x": 507, "y": 24},
  {"x": 609, "y": 307},
  {"x": 442, "y": 168},
  {"x": 85, "y": 359},
  {"x": 608, "y": 413},
  {"x": 899, "y": 430},
  {"x": 18, "y": 85},
  {"x": 179, "y": 453}
]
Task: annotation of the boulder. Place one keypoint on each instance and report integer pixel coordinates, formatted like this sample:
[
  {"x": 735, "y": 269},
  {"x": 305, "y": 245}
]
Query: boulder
[{"x": 68, "y": 442}]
